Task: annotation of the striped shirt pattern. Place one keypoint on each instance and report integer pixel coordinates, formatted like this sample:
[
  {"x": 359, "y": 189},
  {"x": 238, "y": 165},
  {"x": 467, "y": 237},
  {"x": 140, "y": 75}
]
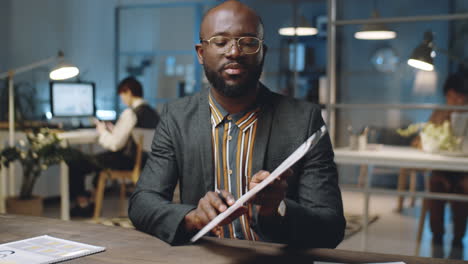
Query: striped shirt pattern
[{"x": 233, "y": 139}]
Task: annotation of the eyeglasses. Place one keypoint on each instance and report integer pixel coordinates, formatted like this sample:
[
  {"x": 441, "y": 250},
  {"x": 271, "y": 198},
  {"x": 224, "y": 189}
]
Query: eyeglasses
[{"x": 222, "y": 45}]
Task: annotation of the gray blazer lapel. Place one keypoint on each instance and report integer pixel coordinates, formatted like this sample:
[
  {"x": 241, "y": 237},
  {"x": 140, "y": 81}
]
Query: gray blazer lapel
[
  {"x": 203, "y": 137},
  {"x": 263, "y": 131}
]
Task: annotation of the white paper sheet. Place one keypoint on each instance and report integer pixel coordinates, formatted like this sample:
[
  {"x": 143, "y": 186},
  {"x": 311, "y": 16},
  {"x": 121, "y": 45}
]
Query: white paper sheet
[
  {"x": 44, "y": 250},
  {"x": 286, "y": 164}
]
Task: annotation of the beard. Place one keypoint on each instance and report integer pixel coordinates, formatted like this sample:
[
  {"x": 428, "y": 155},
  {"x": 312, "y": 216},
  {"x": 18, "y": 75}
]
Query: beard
[{"x": 237, "y": 90}]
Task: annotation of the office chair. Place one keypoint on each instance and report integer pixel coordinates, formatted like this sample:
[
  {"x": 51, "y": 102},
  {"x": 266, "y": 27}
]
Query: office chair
[{"x": 123, "y": 176}]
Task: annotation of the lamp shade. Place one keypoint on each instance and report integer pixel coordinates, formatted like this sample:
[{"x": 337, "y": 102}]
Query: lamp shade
[
  {"x": 302, "y": 29},
  {"x": 375, "y": 31},
  {"x": 63, "y": 72},
  {"x": 422, "y": 56}
]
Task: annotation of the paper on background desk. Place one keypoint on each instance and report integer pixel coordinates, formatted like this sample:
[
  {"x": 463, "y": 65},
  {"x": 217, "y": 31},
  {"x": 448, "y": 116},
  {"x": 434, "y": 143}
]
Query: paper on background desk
[{"x": 286, "y": 164}]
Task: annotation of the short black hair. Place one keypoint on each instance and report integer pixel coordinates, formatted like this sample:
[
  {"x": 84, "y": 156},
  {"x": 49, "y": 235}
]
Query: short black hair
[
  {"x": 457, "y": 82},
  {"x": 130, "y": 84}
]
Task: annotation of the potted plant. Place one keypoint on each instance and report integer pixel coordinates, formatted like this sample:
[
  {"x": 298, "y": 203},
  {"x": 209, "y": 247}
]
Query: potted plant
[
  {"x": 40, "y": 150},
  {"x": 433, "y": 137}
]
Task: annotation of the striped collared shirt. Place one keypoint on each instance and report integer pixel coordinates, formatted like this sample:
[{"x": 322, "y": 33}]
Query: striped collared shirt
[{"x": 233, "y": 141}]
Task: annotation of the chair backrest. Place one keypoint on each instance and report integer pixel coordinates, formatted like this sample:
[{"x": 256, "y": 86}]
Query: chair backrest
[
  {"x": 147, "y": 137},
  {"x": 138, "y": 159},
  {"x": 143, "y": 138}
]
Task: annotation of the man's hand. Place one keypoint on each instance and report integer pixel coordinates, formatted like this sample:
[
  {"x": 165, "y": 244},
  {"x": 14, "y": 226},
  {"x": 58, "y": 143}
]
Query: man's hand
[
  {"x": 109, "y": 126},
  {"x": 268, "y": 199},
  {"x": 100, "y": 126},
  {"x": 208, "y": 208}
]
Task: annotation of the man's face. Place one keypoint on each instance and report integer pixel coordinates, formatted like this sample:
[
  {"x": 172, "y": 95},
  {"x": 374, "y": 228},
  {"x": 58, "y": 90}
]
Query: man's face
[
  {"x": 126, "y": 97},
  {"x": 232, "y": 73}
]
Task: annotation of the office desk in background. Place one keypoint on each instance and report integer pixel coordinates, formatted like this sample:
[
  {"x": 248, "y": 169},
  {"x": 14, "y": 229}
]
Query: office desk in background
[
  {"x": 406, "y": 157},
  {"x": 400, "y": 157},
  {"x": 131, "y": 246},
  {"x": 74, "y": 137}
]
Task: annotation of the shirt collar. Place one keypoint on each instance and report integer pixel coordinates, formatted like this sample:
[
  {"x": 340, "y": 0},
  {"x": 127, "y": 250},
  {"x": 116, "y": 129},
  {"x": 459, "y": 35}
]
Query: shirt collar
[
  {"x": 137, "y": 102},
  {"x": 219, "y": 114}
]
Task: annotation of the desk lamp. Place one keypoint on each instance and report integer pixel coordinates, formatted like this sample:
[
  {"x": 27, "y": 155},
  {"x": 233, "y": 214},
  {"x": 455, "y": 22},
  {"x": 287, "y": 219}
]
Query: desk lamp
[
  {"x": 423, "y": 55},
  {"x": 62, "y": 71}
]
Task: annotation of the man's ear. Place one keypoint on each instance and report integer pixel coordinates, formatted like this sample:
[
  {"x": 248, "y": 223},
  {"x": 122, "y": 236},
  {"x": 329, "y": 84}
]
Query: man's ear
[
  {"x": 265, "y": 49},
  {"x": 199, "y": 49}
]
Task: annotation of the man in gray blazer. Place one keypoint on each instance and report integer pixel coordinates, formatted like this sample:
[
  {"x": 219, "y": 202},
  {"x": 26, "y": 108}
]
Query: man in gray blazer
[{"x": 224, "y": 140}]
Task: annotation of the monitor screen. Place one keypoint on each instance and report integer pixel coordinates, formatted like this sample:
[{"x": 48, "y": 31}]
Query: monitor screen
[{"x": 69, "y": 99}]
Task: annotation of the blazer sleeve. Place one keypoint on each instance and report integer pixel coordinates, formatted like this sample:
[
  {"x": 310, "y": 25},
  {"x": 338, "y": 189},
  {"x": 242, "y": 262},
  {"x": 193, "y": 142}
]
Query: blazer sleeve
[
  {"x": 151, "y": 209},
  {"x": 314, "y": 214}
]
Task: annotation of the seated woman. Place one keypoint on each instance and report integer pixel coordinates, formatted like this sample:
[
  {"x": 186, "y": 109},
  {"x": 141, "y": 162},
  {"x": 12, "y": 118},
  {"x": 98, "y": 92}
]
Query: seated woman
[
  {"x": 456, "y": 93},
  {"x": 116, "y": 140}
]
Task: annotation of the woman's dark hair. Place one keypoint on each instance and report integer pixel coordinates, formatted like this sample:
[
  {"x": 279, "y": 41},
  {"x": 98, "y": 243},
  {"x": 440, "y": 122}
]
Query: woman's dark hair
[
  {"x": 457, "y": 82},
  {"x": 130, "y": 84}
]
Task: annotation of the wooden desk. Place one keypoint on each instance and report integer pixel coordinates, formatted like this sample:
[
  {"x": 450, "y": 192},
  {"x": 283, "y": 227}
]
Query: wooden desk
[
  {"x": 80, "y": 136},
  {"x": 400, "y": 157},
  {"x": 131, "y": 246}
]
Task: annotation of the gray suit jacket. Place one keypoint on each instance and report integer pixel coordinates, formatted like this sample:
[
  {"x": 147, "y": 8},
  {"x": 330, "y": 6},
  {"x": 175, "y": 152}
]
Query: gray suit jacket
[{"x": 182, "y": 151}]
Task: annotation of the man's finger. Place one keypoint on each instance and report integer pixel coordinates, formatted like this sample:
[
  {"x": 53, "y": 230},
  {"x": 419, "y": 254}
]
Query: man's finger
[
  {"x": 280, "y": 184},
  {"x": 227, "y": 197},
  {"x": 288, "y": 173},
  {"x": 205, "y": 211},
  {"x": 217, "y": 201},
  {"x": 259, "y": 176},
  {"x": 216, "y": 231}
]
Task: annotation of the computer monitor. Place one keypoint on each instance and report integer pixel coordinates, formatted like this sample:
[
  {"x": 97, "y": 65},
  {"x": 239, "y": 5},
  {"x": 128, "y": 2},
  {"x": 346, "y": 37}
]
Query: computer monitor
[{"x": 72, "y": 99}]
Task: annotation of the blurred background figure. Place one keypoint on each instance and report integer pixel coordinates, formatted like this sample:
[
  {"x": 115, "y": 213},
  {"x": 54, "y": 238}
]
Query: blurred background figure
[
  {"x": 456, "y": 93},
  {"x": 118, "y": 142}
]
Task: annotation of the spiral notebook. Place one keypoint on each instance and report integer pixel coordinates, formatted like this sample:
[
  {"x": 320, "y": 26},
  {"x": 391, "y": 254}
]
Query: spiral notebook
[
  {"x": 43, "y": 250},
  {"x": 286, "y": 164}
]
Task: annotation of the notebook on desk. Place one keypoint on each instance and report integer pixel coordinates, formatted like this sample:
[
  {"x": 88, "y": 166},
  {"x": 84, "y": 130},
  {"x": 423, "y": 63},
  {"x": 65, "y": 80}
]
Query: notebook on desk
[{"x": 43, "y": 250}]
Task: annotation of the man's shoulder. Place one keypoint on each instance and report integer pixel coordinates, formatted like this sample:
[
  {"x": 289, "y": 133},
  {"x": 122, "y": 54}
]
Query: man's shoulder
[
  {"x": 182, "y": 108},
  {"x": 127, "y": 112},
  {"x": 183, "y": 103},
  {"x": 145, "y": 107},
  {"x": 286, "y": 104}
]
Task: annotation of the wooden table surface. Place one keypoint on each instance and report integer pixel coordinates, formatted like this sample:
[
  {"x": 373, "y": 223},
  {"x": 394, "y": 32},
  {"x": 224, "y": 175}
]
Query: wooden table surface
[{"x": 131, "y": 246}]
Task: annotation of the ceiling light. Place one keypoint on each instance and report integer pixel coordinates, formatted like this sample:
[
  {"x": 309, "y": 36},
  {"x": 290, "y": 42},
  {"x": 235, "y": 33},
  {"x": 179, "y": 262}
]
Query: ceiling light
[
  {"x": 375, "y": 31},
  {"x": 303, "y": 29}
]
